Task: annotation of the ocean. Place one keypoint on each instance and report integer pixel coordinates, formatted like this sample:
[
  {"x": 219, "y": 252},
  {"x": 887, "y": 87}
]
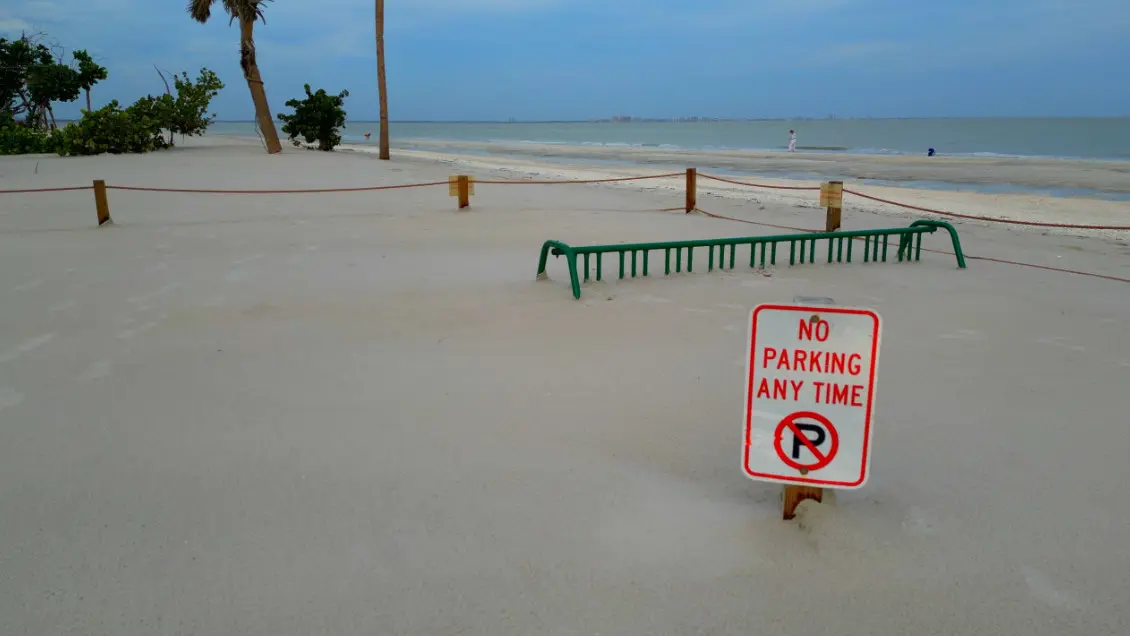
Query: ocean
[{"x": 1081, "y": 138}]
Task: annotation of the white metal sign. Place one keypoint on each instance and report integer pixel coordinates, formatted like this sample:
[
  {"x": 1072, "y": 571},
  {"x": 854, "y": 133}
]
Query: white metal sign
[{"x": 810, "y": 394}]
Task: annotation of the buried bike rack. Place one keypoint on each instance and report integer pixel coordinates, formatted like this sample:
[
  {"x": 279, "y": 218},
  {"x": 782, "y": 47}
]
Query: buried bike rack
[{"x": 875, "y": 245}]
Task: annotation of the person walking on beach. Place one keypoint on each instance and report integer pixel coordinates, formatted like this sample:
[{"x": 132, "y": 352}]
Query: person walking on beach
[{"x": 792, "y": 141}]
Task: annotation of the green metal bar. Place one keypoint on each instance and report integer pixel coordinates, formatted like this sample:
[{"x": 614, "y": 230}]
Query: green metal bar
[
  {"x": 957, "y": 251},
  {"x": 909, "y": 248}
]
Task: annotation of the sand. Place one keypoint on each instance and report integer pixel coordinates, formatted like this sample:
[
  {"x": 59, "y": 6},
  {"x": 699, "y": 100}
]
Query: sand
[{"x": 359, "y": 414}]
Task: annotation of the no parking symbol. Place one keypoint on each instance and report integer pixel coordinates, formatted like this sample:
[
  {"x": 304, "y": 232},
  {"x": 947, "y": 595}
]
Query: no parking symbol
[{"x": 797, "y": 440}]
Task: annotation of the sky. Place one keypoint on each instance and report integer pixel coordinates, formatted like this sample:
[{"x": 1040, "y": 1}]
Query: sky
[{"x": 587, "y": 59}]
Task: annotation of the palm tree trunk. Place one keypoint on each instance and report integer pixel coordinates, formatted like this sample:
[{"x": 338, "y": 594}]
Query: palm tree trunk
[
  {"x": 88, "y": 99},
  {"x": 255, "y": 84},
  {"x": 382, "y": 89}
]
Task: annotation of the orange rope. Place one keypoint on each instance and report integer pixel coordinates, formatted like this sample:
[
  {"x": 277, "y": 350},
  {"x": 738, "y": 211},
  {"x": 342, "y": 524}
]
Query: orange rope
[
  {"x": 576, "y": 181},
  {"x": 757, "y": 185},
  {"x": 71, "y": 189},
  {"x": 301, "y": 191},
  {"x": 924, "y": 249},
  {"x": 982, "y": 218}
]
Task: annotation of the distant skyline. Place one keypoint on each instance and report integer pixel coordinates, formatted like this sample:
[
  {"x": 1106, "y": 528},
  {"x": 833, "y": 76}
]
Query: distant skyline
[{"x": 580, "y": 60}]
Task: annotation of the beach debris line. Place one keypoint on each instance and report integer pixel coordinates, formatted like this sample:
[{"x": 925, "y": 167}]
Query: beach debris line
[{"x": 810, "y": 392}]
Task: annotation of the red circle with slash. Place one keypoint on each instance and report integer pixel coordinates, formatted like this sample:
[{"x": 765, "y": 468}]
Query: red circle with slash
[{"x": 790, "y": 424}]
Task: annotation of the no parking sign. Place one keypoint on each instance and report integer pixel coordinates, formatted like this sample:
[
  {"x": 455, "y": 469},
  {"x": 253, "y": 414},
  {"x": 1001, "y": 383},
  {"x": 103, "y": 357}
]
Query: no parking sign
[{"x": 810, "y": 394}]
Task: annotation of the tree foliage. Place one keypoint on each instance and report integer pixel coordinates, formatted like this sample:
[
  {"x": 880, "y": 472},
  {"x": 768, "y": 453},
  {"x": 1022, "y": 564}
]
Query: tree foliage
[
  {"x": 187, "y": 113},
  {"x": 32, "y": 77},
  {"x": 316, "y": 118},
  {"x": 89, "y": 73}
]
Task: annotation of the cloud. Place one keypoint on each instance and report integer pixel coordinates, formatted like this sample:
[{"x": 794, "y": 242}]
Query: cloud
[{"x": 13, "y": 26}]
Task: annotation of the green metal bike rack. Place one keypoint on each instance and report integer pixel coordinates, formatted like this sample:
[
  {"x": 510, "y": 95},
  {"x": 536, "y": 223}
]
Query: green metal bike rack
[{"x": 634, "y": 258}]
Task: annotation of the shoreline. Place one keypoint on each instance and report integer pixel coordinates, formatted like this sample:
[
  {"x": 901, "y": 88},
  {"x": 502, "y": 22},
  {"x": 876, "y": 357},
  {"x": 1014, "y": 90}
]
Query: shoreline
[
  {"x": 1096, "y": 179},
  {"x": 1023, "y": 207},
  {"x": 1097, "y": 175}
]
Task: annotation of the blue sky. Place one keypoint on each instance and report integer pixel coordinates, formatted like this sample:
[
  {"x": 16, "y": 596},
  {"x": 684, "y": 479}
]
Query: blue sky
[{"x": 579, "y": 59}]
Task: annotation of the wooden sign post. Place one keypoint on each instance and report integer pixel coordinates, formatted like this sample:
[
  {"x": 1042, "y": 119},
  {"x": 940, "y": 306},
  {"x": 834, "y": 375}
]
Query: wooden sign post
[
  {"x": 461, "y": 186},
  {"x": 692, "y": 189},
  {"x": 832, "y": 198},
  {"x": 101, "y": 204}
]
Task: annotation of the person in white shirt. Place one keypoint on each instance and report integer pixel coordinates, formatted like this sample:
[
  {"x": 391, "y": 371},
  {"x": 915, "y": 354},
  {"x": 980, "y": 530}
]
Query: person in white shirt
[{"x": 792, "y": 141}]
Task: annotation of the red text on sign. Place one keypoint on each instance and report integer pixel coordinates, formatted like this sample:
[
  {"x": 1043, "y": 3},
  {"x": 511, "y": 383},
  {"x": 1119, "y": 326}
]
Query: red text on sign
[
  {"x": 808, "y": 329},
  {"x": 812, "y": 361},
  {"x": 833, "y": 393},
  {"x": 780, "y": 389}
]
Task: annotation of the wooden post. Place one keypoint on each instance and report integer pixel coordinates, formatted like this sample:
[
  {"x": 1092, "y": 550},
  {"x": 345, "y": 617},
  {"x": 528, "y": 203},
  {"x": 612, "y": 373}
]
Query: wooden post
[
  {"x": 101, "y": 203},
  {"x": 692, "y": 189},
  {"x": 794, "y": 495},
  {"x": 463, "y": 187},
  {"x": 832, "y": 197}
]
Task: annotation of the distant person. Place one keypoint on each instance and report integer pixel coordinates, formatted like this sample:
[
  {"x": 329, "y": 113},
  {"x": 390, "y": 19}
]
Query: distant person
[
  {"x": 792, "y": 141},
  {"x": 367, "y": 139},
  {"x": 930, "y": 152}
]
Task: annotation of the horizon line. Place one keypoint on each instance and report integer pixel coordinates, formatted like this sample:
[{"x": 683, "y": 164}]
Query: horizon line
[{"x": 699, "y": 120}]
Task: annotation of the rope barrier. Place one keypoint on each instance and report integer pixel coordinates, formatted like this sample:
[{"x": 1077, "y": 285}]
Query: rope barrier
[
  {"x": 1077, "y": 272},
  {"x": 71, "y": 189},
  {"x": 298, "y": 191},
  {"x": 982, "y": 218},
  {"x": 577, "y": 181},
  {"x": 758, "y": 185},
  {"x": 1071, "y": 226}
]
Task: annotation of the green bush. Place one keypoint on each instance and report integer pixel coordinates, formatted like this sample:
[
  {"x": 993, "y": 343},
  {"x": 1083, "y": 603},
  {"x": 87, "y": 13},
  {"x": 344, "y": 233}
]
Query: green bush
[
  {"x": 16, "y": 139},
  {"x": 111, "y": 129},
  {"x": 188, "y": 113},
  {"x": 316, "y": 118}
]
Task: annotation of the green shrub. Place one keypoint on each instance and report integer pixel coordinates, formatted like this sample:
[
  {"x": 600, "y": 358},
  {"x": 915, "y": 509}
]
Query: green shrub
[
  {"x": 16, "y": 139},
  {"x": 316, "y": 118},
  {"x": 111, "y": 129}
]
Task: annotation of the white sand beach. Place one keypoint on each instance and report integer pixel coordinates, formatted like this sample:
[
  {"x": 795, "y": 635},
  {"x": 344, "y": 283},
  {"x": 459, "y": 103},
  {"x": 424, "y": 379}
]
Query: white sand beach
[{"x": 358, "y": 413}]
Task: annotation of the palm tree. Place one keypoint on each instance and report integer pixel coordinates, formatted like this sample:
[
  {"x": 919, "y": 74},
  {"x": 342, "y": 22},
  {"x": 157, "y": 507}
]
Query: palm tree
[
  {"x": 247, "y": 12},
  {"x": 382, "y": 90}
]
